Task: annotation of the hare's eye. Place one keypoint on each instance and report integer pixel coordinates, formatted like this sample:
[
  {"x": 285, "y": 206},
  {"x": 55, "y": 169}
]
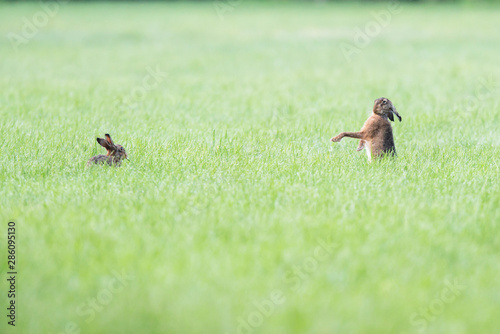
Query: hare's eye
[{"x": 384, "y": 102}]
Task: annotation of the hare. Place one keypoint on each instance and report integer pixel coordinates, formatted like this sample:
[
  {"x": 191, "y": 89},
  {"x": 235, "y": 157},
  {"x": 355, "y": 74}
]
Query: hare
[
  {"x": 376, "y": 134},
  {"x": 115, "y": 155}
]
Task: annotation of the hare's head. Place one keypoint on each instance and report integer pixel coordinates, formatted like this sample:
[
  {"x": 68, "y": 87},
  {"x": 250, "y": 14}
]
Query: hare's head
[
  {"x": 116, "y": 151},
  {"x": 384, "y": 107}
]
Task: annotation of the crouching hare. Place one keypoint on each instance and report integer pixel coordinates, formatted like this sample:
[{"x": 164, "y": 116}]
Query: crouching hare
[
  {"x": 115, "y": 155},
  {"x": 376, "y": 134}
]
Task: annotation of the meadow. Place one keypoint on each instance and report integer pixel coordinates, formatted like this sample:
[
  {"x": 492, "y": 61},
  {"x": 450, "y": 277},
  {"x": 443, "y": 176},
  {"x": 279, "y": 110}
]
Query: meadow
[{"x": 235, "y": 213}]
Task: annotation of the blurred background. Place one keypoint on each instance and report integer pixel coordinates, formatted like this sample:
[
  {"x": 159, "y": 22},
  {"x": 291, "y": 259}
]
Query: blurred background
[{"x": 235, "y": 213}]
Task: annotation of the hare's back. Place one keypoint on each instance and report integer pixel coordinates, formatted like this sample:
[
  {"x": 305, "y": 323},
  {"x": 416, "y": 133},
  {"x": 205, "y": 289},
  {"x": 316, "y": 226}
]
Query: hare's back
[{"x": 98, "y": 159}]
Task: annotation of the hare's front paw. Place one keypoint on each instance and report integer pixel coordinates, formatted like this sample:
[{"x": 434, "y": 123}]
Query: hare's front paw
[
  {"x": 336, "y": 139},
  {"x": 361, "y": 146}
]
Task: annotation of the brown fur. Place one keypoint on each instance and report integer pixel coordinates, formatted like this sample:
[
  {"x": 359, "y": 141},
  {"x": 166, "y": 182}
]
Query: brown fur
[
  {"x": 115, "y": 155},
  {"x": 376, "y": 133}
]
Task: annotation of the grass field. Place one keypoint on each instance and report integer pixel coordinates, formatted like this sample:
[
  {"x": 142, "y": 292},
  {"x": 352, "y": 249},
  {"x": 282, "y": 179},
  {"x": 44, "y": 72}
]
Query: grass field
[{"x": 235, "y": 214}]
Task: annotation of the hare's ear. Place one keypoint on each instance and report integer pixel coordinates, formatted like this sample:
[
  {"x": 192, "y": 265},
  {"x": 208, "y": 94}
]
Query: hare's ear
[
  {"x": 397, "y": 114},
  {"x": 391, "y": 116},
  {"x": 103, "y": 143},
  {"x": 108, "y": 138}
]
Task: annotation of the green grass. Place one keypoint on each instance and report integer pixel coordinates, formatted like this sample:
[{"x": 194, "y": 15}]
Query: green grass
[{"x": 232, "y": 183}]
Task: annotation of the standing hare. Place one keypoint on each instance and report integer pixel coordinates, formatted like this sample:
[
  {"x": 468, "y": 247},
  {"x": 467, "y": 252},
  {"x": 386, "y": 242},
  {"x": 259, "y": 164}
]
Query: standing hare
[
  {"x": 376, "y": 134},
  {"x": 115, "y": 155}
]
